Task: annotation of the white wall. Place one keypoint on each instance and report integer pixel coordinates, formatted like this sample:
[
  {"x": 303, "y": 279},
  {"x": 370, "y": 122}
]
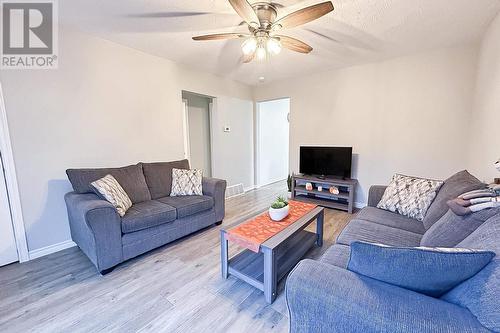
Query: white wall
[
  {"x": 107, "y": 105},
  {"x": 484, "y": 134},
  {"x": 272, "y": 140},
  {"x": 199, "y": 132},
  {"x": 233, "y": 152},
  {"x": 408, "y": 115}
]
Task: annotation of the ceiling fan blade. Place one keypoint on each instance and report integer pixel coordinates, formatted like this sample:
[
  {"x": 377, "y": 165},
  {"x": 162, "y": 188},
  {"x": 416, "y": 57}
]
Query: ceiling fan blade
[
  {"x": 221, "y": 36},
  {"x": 294, "y": 44},
  {"x": 304, "y": 15},
  {"x": 245, "y": 10},
  {"x": 248, "y": 58}
]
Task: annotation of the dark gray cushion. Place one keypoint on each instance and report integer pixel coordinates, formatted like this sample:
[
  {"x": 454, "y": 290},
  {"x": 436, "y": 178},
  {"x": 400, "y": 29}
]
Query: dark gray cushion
[
  {"x": 457, "y": 184},
  {"x": 131, "y": 178},
  {"x": 337, "y": 255},
  {"x": 451, "y": 229},
  {"x": 159, "y": 176},
  {"x": 390, "y": 219},
  {"x": 366, "y": 231},
  {"x": 147, "y": 214},
  {"x": 486, "y": 237},
  {"x": 480, "y": 294},
  {"x": 189, "y": 204}
]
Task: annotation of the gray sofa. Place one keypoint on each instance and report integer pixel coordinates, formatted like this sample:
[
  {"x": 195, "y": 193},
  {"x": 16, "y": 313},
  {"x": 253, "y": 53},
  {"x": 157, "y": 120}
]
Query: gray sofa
[
  {"x": 155, "y": 218},
  {"x": 323, "y": 296}
]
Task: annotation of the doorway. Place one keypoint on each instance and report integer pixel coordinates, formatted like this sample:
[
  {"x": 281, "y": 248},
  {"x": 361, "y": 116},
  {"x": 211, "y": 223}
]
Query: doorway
[
  {"x": 8, "y": 248},
  {"x": 272, "y": 142},
  {"x": 197, "y": 131}
]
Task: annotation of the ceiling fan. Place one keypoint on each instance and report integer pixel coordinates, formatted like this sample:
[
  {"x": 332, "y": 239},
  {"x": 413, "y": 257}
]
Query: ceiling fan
[{"x": 264, "y": 26}]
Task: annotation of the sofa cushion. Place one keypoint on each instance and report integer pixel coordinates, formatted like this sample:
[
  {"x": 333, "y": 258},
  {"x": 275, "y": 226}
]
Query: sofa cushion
[
  {"x": 361, "y": 230},
  {"x": 480, "y": 294},
  {"x": 454, "y": 186},
  {"x": 159, "y": 176},
  {"x": 147, "y": 214},
  {"x": 390, "y": 219},
  {"x": 131, "y": 178},
  {"x": 337, "y": 255},
  {"x": 451, "y": 229},
  {"x": 430, "y": 271},
  {"x": 189, "y": 205}
]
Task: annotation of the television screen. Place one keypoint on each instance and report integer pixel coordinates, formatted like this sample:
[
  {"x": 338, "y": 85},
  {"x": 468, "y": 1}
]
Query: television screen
[{"x": 326, "y": 161}]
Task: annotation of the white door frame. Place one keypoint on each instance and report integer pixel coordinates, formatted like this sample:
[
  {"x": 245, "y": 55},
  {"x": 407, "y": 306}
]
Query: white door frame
[
  {"x": 211, "y": 108},
  {"x": 185, "y": 127},
  {"x": 12, "y": 186}
]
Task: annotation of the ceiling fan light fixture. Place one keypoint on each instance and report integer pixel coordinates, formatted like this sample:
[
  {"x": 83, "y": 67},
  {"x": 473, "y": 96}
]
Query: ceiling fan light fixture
[
  {"x": 273, "y": 46},
  {"x": 249, "y": 46},
  {"x": 261, "y": 53}
]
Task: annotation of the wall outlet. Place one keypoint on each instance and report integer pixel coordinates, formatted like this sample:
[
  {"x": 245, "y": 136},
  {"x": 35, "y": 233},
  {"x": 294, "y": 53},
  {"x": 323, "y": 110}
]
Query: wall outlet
[{"x": 227, "y": 129}]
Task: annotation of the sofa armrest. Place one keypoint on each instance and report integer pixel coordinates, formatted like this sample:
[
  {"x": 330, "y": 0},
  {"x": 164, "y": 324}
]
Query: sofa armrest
[
  {"x": 375, "y": 194},
  {"x": 216, "y": 188},
  {"x": 96, "y": 228},
  {"x": 325, "y": 298}
]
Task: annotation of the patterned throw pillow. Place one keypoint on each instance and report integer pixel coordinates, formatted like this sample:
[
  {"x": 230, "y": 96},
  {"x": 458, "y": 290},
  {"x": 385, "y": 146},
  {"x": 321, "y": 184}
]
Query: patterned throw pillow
[
  {"x": 409, "y": 196},
  {"x": 112, "y": 191},
  {"x": 186, "y": 182}
]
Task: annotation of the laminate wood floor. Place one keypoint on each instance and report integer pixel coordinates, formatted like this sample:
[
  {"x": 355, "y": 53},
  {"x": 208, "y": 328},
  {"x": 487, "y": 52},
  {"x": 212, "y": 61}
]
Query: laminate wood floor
[{"x": 176, "y": 288}]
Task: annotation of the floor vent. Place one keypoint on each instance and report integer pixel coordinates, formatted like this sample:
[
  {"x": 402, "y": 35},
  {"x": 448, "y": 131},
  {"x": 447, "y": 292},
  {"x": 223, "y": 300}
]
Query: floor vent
[{"x": 232, "y": 191}]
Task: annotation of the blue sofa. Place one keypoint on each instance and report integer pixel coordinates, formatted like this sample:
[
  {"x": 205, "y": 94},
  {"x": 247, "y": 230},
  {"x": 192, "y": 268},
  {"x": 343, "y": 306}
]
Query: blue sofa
[
  {"x": 154, "y": 219},
  {"x": 323, "y": 296}
]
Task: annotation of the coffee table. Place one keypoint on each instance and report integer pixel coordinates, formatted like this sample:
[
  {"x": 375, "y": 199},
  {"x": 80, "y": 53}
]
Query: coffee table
[{"x": 277, "y": 255}]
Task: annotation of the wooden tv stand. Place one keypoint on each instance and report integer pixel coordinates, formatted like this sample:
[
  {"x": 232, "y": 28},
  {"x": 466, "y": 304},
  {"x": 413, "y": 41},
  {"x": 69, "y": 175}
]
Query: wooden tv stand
[{"x": 343, "y": 201}]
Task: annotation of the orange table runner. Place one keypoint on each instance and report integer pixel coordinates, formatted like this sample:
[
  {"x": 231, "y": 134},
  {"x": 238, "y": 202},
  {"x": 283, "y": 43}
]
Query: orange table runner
[{"x": 253, "y": 233}]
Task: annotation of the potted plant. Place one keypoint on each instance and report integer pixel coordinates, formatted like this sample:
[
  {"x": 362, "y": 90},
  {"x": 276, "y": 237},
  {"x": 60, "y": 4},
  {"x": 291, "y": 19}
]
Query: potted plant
[
  {"x": 289, "y": 185},
  {"x": 279, "y": 209}
]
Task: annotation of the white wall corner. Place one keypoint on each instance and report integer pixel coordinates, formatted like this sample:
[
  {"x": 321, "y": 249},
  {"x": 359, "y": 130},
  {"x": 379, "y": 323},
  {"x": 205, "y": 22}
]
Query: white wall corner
[{"x": 41, "y": 252}]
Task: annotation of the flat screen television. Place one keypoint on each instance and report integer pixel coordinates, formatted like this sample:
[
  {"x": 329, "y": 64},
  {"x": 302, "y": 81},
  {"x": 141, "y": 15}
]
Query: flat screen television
[{"x": 326, "y": 161}]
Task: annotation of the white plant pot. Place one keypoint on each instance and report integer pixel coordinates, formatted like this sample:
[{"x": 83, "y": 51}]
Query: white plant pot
[{"x": 279, "y": 214}]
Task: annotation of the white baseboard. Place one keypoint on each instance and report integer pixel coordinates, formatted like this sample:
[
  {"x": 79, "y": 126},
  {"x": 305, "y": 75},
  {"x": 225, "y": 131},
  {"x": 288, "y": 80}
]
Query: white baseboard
[
  {"x": 51, "y": 249},
  {"x": 250, "y": 188},
  {"x": 359, "y": 205}
]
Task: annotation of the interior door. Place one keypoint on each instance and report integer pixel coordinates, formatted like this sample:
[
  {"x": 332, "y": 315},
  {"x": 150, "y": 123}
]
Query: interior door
[{"x": 8, "y": 249}]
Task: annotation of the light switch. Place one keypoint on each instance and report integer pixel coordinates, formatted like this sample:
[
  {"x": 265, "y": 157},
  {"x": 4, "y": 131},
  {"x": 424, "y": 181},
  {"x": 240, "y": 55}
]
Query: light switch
[{"x": 227, "y": 129}]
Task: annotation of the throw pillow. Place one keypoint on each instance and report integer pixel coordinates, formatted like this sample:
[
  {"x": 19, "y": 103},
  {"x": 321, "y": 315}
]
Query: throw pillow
[
  {"x": 430, "y": 271},
  {"x": 409, "y": 196},
  {"x": 186, "y": 182},
  {"x": 457, "y": 184},
  {"x": 451, "y": 229},
  {"x": 109, "y": 188}
]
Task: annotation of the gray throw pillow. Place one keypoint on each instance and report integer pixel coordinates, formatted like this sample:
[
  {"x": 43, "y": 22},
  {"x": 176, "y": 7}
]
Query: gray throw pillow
[
  {"x": 451, "y": 229},
  {"x": 454, "y": 186}
]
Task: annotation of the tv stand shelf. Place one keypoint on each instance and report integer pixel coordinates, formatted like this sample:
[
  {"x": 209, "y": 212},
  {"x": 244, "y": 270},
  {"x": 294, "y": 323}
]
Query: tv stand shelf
[{"x": 343, "y": 201}]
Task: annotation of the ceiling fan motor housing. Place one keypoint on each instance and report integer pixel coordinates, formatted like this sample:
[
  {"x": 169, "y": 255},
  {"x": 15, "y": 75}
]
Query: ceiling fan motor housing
[{"x": 266, "y": 12}]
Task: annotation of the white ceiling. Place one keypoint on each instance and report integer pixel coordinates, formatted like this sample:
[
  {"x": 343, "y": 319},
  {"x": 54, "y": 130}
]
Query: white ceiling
[{"x": 358, "y": 31}]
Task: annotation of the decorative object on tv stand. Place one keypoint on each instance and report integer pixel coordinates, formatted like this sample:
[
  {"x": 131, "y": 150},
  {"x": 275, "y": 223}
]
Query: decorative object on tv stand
[
  {"x": 334, "y": 190},
  {"x": 497, "y": 165},
  {"x": 289, "y": 185},
  {"x": 320, "y": 188},
  {"x": 279, "y": 209},
  {"x": 309, "y": 186}
]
